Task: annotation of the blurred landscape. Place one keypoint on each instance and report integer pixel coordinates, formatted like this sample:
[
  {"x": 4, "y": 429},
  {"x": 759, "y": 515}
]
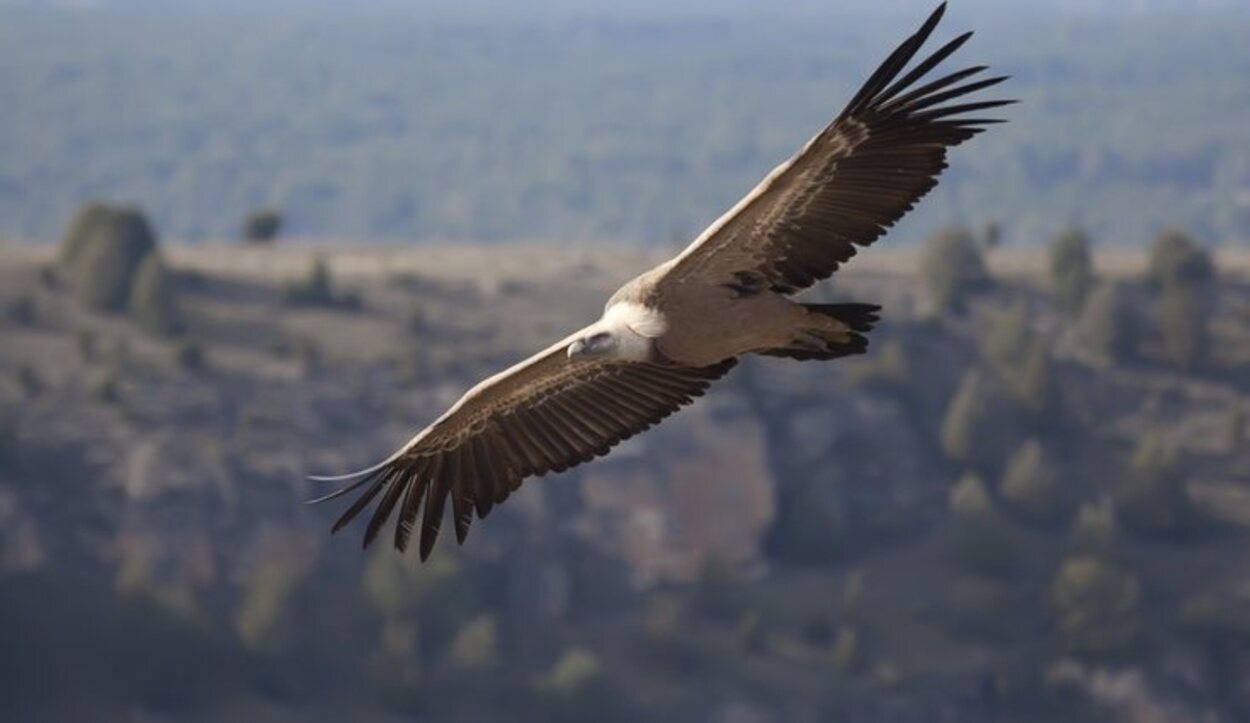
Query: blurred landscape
[
  {"x": 573, "y": 123},
  {"x": 244, "y": 243}
]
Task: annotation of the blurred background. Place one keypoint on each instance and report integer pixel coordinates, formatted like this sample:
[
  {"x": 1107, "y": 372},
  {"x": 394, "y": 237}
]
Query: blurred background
[{"x": 242, "y": 242}]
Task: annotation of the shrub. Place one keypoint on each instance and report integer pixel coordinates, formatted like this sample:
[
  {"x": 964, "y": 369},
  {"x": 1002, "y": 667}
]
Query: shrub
[
  {"x": 1216, "y": 616},
  {"x": 1095, "y": 528},
  {"x": 576, "y": 671},
  {"x": 1183, "y": 326},
  {"x": 476, "y": 646},
  {"x": 89, "y": 218},
  {"x": 103, "y": 385},
  {"x": 1033, "y": 382},
  {"x": 981, "y": 541},
  {"x": 1008, "y": 338},
  {"x": 263, "y": 620},
  {"x": 1152, "y": 498},
  {"x": 189, "y": 355},
  {"x": 1176, "y": 260},
  {"x": 153, "y": 301},
  {"x": 974, "y": 428},
  {"x": 1031, "y": 486},
  {"x": 397, "y": 660},
  {"x": 1108, "y": 325},
  {"x": 887, "y": 369},
  {"x": 262, "y": 225},
  {"x": 317, "y": 288},
  {"x": 1095, "y": 601},
  {"x": 440, "y": 590},
  {"x": 968, "y": 498},
  {"x": 991, "y": 235},
  {"x": 848, "y": 650},
  {"x": 1071, "y": 269},
  {"x": 103, "y": 264},
  {"x": 953, "y": 268}
]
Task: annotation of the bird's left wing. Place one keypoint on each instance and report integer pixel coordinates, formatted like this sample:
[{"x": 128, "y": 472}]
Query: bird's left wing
[
  {"x": 545, "y": 414},
  {"x": 856, "y": 178}
]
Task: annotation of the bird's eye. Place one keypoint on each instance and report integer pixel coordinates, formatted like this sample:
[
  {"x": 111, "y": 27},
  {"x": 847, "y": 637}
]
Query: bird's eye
[{"x": 599, "y": 338}]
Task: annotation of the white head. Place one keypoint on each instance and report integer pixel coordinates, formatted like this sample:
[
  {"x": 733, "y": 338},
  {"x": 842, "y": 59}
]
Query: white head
[{"x": 626, "y": 331}]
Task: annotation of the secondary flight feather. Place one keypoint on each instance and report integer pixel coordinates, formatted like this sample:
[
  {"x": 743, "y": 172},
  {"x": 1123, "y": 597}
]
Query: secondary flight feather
[{"x": 665, "y": 336}]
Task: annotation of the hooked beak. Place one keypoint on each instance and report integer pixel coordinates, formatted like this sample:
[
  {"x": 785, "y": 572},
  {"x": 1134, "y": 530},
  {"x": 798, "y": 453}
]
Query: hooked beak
[{"x": 577, "y": 348}]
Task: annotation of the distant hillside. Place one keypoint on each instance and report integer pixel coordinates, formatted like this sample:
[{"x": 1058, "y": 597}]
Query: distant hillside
[
  {"x": 641, "y": 123},
  {"x": 1033, "y": 509}
]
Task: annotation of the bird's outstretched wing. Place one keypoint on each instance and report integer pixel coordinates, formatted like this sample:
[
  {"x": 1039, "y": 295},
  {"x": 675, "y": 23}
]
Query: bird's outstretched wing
[
  {"x": 851, "y": 182},
  {"x": 546, "y": 414}
]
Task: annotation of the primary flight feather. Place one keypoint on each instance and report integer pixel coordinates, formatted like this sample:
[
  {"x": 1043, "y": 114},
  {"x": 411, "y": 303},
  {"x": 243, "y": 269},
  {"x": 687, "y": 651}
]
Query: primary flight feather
[{"x": 665, "y": 336}]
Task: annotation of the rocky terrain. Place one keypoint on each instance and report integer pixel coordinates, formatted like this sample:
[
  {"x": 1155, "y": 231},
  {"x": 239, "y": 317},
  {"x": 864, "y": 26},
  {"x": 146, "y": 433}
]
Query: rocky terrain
[{"x": 1016, "y": 506}]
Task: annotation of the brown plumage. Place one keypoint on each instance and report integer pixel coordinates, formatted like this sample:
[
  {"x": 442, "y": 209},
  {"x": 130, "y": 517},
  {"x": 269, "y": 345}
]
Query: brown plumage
[{"x": 668, "y": 334}]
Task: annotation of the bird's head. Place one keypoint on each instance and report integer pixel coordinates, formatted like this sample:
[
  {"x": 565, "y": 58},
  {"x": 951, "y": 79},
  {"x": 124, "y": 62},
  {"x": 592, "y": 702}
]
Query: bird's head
[
  {"x": 596, "y": 343},
  {"x": 626, "y": 332}
]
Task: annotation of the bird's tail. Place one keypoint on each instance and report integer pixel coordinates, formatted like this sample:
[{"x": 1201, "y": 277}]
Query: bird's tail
[{"x": 817, "y": 342}]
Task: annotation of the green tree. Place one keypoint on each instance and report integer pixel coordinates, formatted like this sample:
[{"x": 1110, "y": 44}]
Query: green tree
[
  {"x": 1071, "y": 269},
  {"x": 1108, "y": 325},
  {"x": 981, "y": 540},
  {"x": 189, "y": 355},
  {"x": 103, "y": 264},
  {"x": 1007, "y": 339},
  {"x": 262, "y": 226},
  {"x": 89, "y": 218},
  {"x": 848, "y": 650},
  {"x": 154, "y": 299},
  {"x": 1183, "y": 325},
  {"x": 952, "y": 268},
  {"x": 475, "y": 647},
  {"x": 577, "y": 689},
  {"x": 1031, "y": 486},
  {"x": 887, "y": 369},
  {"x": 1176, "y": 259},
  {"x": 1095, "y": 528},
  {"x": 262, "y": 620},
  {"x": 1095, "y": 601},
  {"x": 1152, "y": 498},
  {"x": 1033, "y": 382},
  {"x": 976, "y": 424},
  {"x": 317, "y": 288}
]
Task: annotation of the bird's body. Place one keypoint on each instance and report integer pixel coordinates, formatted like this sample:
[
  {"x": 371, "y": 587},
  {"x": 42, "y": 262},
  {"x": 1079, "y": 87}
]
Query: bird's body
[{"x": 667, "y": 334}]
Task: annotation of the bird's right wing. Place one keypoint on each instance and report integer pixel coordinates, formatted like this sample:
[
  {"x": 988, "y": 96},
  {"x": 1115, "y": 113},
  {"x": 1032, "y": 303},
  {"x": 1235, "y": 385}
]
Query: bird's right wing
[
  {"x": 851, "y": 182},
  {"x": 545, "y": 414}
]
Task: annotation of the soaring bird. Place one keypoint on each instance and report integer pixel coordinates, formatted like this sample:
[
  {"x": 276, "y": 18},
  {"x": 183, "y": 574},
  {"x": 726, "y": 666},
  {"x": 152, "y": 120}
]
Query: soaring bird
[{"x": 665, "y": 336}]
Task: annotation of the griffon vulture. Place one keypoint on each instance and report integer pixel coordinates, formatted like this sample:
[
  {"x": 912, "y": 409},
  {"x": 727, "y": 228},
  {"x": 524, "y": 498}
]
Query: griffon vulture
[{"x": 665, "y": 336}]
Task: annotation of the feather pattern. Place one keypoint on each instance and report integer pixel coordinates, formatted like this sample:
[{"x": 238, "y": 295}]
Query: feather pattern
[
  {"x": 851, "y": 182},
  {"x": 547, "y": 414}
]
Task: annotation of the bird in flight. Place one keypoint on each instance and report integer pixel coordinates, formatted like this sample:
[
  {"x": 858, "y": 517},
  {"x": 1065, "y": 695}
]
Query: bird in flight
[{"x": 665, "y": 336}]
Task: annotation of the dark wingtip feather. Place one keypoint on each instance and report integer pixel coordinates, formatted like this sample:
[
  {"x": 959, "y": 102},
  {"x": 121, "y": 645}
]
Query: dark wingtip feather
[{"x": 895, "y": 62}]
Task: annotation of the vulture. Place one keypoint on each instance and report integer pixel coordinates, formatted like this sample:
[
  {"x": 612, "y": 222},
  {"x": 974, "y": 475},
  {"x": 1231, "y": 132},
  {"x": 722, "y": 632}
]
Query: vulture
[{"x": 665, "y": 336}]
